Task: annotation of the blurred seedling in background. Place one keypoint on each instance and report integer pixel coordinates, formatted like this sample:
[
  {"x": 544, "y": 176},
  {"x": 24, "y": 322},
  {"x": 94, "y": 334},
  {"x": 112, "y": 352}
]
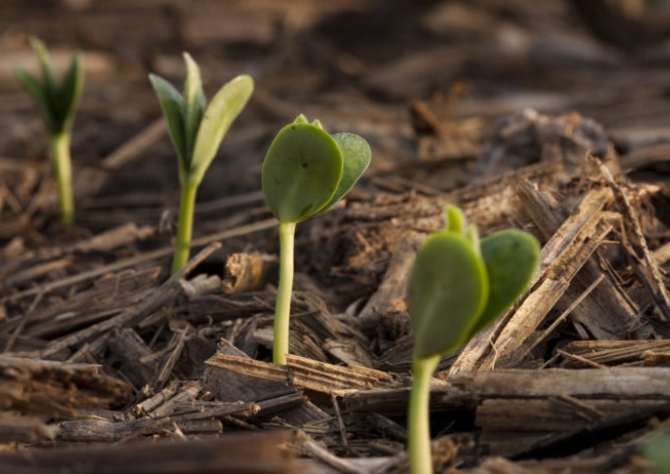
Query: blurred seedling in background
[
  {"x": 57, "y": 101},
  {"x": 459, "y": 285},
  {"x": 305, "y": 172},
  {"x": 196, "y": 130}
]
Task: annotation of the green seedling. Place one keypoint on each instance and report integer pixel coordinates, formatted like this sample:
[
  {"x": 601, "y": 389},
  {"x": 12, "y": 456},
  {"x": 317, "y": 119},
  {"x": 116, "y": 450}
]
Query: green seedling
[
  {"x": 57, "y": 101},
  {"x": 196, "y": 130},
  {"x": 305, "y": 172},
  {"x": 459, "y": 285}
]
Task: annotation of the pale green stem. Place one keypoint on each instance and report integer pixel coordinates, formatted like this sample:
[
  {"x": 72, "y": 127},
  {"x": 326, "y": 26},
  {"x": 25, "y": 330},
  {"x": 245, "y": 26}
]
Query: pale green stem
[
  {"x": 420, "y": 458},
  {"x": 283, "y": 307},
  {"x": 185, "y": 226},
  {"x": 60, "y": 147}
]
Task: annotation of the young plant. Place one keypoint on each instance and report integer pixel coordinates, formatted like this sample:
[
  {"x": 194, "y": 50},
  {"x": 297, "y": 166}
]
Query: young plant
[
  {"x": 196, "y": 130},
  {"x": 458, "y": 286},
  {"x": 57, "y": 101},
  {"x": 305, "y": 172}
]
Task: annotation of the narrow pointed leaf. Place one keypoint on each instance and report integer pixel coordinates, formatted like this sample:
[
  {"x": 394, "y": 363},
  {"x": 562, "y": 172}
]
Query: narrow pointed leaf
[
  {"x": 301, "y": 172},
  {"x": 35, "y": 90},
  {"x": 70, "y": 91},
  {"x": 224, "y": 108},
  {"x": 356, "y": 156},
  {"x": 448, "y": 290},
  {"x": 511, "y": 258},
  {"x": 172, "y": 105},
  {"x": 194, "y": 104},
  {"x": 48, "y": 74}
]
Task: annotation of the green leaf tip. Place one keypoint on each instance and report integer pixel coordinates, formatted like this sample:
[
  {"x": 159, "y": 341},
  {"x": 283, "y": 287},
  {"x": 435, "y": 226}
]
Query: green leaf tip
[
  {"x": 57, "y": 100},
  {"x": 306, "y": 170},
  {"x": 197, "y": 129},
  {"x": 459, "y": 284}
]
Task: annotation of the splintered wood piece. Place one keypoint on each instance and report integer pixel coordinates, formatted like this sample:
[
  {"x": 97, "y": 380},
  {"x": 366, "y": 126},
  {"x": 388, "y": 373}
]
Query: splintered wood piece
[
  {"x": 647, "y": 267},
  {"x": 24, "y": 429},
  {"x": 128, "y": 349},
  {"x": 566, "y": 252},
  {"x": 247, "y": 271},
  {"x": 616, "y": 383},
  {"x": 306, "y": 373},
  {"x": 443, "y": 398},
  {"x": 234, "y": 453},
  {"x": 613, "y": 352},
  {"x": 387, "y": 304},
  {"x": 167, "y": 291},
  {"x": 96, "y": 430},
  {"x": 54, "y": 388}
]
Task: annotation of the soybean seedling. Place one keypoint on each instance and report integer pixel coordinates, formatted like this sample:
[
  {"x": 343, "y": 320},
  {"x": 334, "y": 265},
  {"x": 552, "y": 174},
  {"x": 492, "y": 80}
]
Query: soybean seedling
[
  {"x": 305, "y": 172},
  {"x": 57, "y": 101},
  {"x": 458, "y": 286},
  {"x": 196, "y": 130}
]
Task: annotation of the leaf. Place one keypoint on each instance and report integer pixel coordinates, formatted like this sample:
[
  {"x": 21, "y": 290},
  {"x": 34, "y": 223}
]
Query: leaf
[
  {"x": 224, "y": 108},
  {"x": 194, "y": 104},
  {"x": 356, "y": 156},
  {"x": 454, "y": 219},
  {"x": 448, "y": 290},
  {"x": 301, "y": 172},
  {"x": 172, "y": 105},
  {"x": 35, "y": 90},
  {"x": 48, "y": 75},
  {"x": 658, "y": 451},
  {"x": 70, "y": 92},
  {"x": 511, "y": 258}
]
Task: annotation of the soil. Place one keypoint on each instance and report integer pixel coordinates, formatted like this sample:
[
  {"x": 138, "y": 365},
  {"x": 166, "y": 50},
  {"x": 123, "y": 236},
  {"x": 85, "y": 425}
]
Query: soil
[{"x": 549, "y": 116}]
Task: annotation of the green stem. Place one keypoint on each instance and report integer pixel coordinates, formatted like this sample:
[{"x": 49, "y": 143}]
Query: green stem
[
  {"x": 60, "y": 147},
  {"x": 283, "y": 307},
  {"x": 185, "y": 226},
  {"x": 420, "y": 458}
]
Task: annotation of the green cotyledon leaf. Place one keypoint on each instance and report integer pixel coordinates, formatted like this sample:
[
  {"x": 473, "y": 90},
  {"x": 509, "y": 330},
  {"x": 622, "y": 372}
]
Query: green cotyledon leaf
[
  {"x": 356, "y": 155},
  {"x": 172, "y": 104},
  {"x": 219, "y": 115},
  {"x": 511, "y": 258},
  {"x": 301, "y": 171},
  {"x": 448, "y": 290}
]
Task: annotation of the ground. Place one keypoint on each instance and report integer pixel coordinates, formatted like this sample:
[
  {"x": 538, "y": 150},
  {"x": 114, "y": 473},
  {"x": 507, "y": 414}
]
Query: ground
[{"x": 549, "y": 116}]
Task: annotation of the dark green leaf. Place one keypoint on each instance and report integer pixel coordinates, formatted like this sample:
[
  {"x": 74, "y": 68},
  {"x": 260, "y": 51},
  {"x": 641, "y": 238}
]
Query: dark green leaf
[
  {"x": 194, "y": 104},
  {"x": 172, "y": 105},
  {"x": 301, "y": 172},
  {"x": 224, "y": 108},
  {"x": 356, "y": 159},
  {"x": 70, "y": 91},
  {"x": 511, "y": 258},
  {"x": 448, "y": 290},
  {"x": 48, "y": 75},
  {"x": 35, "y": 90}
]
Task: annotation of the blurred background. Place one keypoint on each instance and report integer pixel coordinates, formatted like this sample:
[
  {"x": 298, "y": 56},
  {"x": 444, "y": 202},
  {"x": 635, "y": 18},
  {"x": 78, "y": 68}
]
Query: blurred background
[{"x": 424, "y": 81}]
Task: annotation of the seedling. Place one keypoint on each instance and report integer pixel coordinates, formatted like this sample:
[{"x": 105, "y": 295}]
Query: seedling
[
  {"x": 458, "y": 286},
  {"x": 57, "y": 101},
  {"x": 196, "y": 130},
  {"x": 657, "y": 451},
  {"x": 305, "y": 172}
]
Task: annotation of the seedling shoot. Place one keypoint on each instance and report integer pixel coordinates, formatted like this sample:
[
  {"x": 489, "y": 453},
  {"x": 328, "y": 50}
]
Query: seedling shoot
[
  {"x": 305, "y": 172},
  {"x": 459, "y": 285},
  {"x": 57, "y": 101},
  {"x": 196, "y": 131}
]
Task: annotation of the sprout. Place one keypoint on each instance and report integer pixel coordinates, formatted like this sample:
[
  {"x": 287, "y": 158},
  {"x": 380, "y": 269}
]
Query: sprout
[
  {"x": 57, "y": 101},
  {"x": 196, "y": 130},
  {"x": 305, "y": 172},
  {"x": 459, "y": 285}
]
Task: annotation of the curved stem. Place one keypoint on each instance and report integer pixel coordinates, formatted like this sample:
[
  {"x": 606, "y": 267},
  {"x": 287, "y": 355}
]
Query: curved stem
[
  {"x": 420, "y": 458},
  {"x": 185, "y": 226},
  {"x": 283, "y": 307},
  {"x": 60, "y": 147}
]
